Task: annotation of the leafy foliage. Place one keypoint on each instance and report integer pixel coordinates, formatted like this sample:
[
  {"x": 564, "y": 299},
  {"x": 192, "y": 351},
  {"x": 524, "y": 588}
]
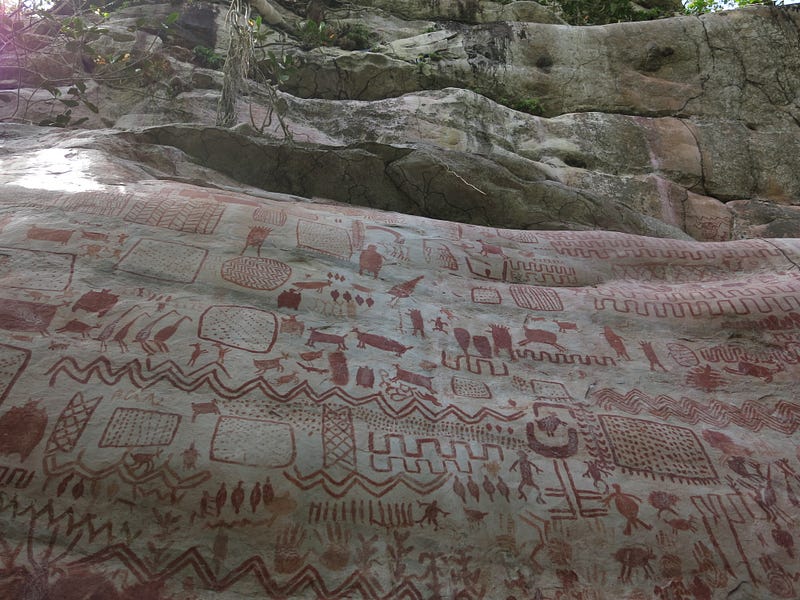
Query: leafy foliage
[
  {"x": 63, "y": 39},
  {"x": 602, "y": 12},
  {"x": 348, "y": 35},
  {"x": 532, "y": 106},
  {"x": 76, "y": 95},
  {"x": 699, "y": 7},
  {"x": 206, "y": 57},
  {"x": 313, "y": 35},
  {"x": 280, "y": 68}
]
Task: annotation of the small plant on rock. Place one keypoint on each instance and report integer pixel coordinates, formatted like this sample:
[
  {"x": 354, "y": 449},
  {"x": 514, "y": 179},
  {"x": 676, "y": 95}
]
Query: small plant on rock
[
  {"x": 531, "y": 106},
  {"x": 348, "y": 36},
  {"x": 354, "y": 36},
  {"x": 314, "y": 35},
  {"x": 76, "y": 95},
  {"x": 206, "y": 57}
]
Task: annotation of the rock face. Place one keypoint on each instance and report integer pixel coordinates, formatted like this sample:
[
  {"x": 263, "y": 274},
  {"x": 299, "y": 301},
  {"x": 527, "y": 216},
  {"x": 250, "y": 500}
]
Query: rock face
[
  {"x": 411, "y": 342},
  {"x": 255, "y": 395},
  {"x": 666, "y": 128}
]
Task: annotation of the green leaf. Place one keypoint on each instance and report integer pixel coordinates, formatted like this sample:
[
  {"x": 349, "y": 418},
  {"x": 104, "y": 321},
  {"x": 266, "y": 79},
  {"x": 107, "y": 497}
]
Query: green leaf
[
  {"x": 171, "y": 18},
  {"x": 63, "y": 119},
  {"x": 52, "y": 89},
  {"x": 80, "y": 121},
  {"x": 70, "y": 103},
  {"x": 91, "y": 106}
]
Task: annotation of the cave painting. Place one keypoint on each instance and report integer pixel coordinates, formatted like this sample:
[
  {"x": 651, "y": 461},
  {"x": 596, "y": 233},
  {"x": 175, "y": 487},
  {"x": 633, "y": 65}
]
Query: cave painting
[{"x": 312, "y": 404}]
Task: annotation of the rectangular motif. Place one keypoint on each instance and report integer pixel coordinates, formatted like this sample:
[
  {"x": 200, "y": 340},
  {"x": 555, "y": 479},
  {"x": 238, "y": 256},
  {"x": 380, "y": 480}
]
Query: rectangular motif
[
  {"x": 167, "y": 261},
  {"x": 35, "y": 269},
  {"x": 536, "y": 298},
  {"x": 130, "y": 427},
  {"x": 657, "y": 450},
  {"x": 327, "y": 239}
]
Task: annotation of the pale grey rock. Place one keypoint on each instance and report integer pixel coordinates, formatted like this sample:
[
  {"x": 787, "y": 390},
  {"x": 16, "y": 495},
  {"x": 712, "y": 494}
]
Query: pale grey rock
[
  {"x": 443, "y": 44},
  {"x": 757, "y": 218},
  {"x": 532, "y": 12},
  {"x": 656, "y": 119},
  {"x": 182, "y": 334},
  {"x": 467, "y": 11}
]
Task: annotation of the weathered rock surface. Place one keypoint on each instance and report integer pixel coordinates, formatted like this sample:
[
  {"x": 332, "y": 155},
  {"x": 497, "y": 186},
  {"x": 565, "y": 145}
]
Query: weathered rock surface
[
  {"x": 411, "y": 341},
  {"x": 209, "y": 390},
  {"x": 662, "y": 128}
]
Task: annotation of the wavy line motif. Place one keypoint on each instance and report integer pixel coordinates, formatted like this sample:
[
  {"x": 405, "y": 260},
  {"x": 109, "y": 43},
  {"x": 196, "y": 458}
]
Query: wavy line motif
[
  {"x": 784, "y": 417},
  {"x": 701, "y": 308},
  {"x": 146, "y": 374},
  {"x": 308, "y": 578},
  {"x": 164, "y": 475}
]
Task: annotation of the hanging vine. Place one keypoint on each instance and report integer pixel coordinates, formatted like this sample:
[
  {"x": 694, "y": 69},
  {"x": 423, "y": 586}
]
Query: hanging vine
[
  {"x": 237, "y": 63},
  {"x": 242, "y": 47}
]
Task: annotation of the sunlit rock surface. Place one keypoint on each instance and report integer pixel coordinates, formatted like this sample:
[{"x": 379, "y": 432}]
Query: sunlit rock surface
[
  {"x": 251, "y": 362},
  {"x": 212, "y": 391},
  {"x": 685, "y": 128}
]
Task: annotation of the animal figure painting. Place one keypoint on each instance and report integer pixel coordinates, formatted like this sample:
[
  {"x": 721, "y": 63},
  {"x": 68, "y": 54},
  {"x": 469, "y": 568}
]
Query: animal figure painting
[{"x": 263, "y": 399}]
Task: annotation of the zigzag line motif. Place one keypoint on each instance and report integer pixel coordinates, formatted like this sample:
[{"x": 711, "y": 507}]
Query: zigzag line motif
[
  {"x": 147, "y": 374},
  {"x": 376, "y": 489},
  {"x": 306, "y": 579},
  {"x": 72, "y": 523},
  {"x": 730, "y": 353},
  {"x": 784, "y": 418},
  {"x": 164, "y": 475},
  {"x": 719, "y": 290},
  {"x": 561, "y": 358}
]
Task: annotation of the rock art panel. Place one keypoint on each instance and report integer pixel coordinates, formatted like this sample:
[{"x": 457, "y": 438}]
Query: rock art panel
[
  {"x": 166, "y": 261},
  {"x": 13, "y": 361},
  {"x": 341, "y": 403},
  {"x": 240, "y": 327},
  {"x": 133, "y": 427},
  {"x": 253, "y": 442},
  {"x": 256, "y": 273},
  {"x": 35, "y": 270},
  {"x": 325, "y": 238}
]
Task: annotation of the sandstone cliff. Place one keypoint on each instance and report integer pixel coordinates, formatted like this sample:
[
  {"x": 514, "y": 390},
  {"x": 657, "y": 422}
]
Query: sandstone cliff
[
  {"x": 406, "y": 341},
  {"x": 682, "y": 127}
]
